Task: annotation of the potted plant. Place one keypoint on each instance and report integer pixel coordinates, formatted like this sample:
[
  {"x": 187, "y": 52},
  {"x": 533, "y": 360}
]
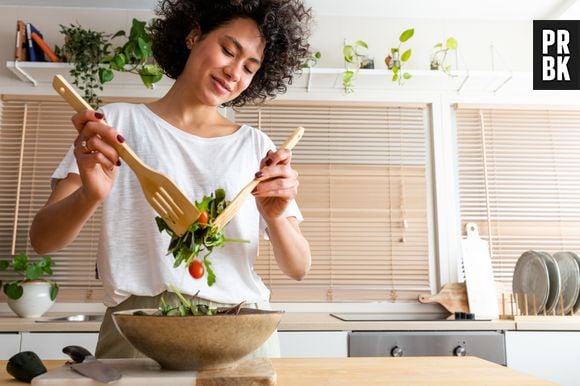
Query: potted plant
[
  {"x": 30, "y": 296},
  {"x": 439, "y": 55},
  {"x": 395, "y": 59},
  {"x": 94, "y": 59},
  {"x": 355, "y": 57}
]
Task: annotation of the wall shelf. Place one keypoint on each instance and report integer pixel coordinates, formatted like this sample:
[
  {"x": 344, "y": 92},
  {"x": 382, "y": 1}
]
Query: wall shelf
[
  {"x": 40, "y": 74},
  {"x": 422, "y": 80}
]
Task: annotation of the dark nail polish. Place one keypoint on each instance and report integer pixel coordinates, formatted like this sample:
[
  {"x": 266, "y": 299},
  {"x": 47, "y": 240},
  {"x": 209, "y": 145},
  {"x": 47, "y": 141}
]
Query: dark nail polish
[
  {"x": 259, "y": 174},
  {"x": 118, "y": 162},
  {"x": 268, "y": 162},
  {"x": 99, "y": 115},
  {"x": 120, "y": 138}
]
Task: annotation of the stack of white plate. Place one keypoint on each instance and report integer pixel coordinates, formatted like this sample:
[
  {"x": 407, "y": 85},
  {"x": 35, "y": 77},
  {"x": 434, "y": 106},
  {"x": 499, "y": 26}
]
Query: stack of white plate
[{"x": 549, "y": 283}]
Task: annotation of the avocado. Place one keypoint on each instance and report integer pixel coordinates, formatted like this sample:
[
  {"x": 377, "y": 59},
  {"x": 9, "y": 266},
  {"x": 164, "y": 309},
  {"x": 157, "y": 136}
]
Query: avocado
[{"x": 24, "y": 366}]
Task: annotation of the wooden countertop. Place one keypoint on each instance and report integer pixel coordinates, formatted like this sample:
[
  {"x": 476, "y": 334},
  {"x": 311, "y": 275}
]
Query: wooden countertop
[
  {"x": 378, "y": 371},
  {"x": 291, "y": 321}
]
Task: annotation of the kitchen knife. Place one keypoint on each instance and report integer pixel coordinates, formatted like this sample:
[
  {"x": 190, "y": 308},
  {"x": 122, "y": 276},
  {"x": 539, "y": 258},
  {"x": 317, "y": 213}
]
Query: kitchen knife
[{"x": 89, "y": 366}]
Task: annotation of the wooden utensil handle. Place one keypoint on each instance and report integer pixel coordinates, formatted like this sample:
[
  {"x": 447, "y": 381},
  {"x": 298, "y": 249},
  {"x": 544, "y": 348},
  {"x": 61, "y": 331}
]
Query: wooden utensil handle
[
  {"x": 293, "y": 138},
  {"x": 70, "y": 95}
]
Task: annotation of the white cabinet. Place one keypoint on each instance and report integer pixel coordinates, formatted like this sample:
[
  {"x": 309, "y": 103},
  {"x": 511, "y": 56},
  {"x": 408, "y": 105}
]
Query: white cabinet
[
  {"x": 313, "y": 344},
  {"x": 9, "y": 345},
  {"x": 551, "y": 355},
  {"x": 49, "y": 345}
]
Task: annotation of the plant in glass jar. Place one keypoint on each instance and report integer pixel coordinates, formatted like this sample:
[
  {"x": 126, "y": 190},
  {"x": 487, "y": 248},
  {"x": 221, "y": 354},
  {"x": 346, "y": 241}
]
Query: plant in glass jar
[
  {"x": 440, "y": 55},
  {"x": 396, "y": 59}
]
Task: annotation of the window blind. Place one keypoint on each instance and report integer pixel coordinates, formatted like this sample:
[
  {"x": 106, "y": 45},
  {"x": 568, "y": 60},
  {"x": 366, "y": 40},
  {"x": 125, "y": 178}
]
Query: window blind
[
  {"x": 34, "y": 136},
  {"x": 363, "y": 192},
  {"x": 519, "y": 180}
]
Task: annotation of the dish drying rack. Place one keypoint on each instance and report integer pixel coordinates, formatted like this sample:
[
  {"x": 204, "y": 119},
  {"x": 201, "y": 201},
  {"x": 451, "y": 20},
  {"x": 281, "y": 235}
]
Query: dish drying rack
[{"x": 516, "y": 307}]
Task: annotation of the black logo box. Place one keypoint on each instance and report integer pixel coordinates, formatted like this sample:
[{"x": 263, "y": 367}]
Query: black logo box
[{"x": 573, "y": 28}]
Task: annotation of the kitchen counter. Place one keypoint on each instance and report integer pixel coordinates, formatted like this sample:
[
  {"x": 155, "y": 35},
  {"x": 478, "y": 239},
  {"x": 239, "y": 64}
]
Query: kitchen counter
[
  {"x": 291, "y": 321},
  {"x": 318, "y": 321},
  {"x": 379, "y": 371}
]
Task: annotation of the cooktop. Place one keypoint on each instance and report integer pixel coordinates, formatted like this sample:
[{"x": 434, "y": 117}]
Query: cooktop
[{"x": 387, "y": 317}]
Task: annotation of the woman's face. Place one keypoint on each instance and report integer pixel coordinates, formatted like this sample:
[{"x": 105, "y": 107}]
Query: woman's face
[{"x": 222, "y": 63}]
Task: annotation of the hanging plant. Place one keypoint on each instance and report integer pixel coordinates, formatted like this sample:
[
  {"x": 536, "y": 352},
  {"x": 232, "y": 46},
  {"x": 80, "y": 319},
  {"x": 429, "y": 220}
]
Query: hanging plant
[
  {"x": 86, "y": 49},
  {"x": 355, "y": 58},
  {"x": 136, "y": 55},
  {"x": 94, "y": 59}
]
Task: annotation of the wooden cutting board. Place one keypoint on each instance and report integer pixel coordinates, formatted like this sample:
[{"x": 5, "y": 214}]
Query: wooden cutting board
[
  {"x": 452, "y": 296},
  {"x": 146, "y": 372}
]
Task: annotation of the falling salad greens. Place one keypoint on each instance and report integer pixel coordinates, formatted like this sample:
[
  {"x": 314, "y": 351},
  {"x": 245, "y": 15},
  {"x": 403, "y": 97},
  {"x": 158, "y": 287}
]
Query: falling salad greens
[{"x": 200, "y": 237}]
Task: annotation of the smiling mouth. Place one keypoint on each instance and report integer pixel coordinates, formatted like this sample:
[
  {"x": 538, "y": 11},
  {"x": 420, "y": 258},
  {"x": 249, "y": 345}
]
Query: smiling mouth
[{"x": 222, "y": 84}]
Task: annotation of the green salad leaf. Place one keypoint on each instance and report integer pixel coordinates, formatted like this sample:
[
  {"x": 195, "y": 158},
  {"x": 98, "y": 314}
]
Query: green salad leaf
[{"x": 200, "y": 237}]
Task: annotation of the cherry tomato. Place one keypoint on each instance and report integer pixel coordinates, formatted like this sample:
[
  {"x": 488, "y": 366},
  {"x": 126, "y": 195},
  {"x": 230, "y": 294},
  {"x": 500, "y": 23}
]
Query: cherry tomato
[
  {"x": 203, "y": 219},
  {"x": 196, "y": 269}
]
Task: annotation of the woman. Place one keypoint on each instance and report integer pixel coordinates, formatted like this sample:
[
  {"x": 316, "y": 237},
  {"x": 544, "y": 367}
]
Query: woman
[{"x": 220, "y": 53}]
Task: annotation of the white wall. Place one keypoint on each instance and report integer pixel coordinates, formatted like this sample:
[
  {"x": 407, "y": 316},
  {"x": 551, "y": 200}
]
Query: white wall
[{"x": 512, "y": 39}]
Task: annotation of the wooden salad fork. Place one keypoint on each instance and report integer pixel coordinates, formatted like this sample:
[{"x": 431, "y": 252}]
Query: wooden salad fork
[
  {"x": 161, "y": 193},
  {"x": 234, "y": 206}
]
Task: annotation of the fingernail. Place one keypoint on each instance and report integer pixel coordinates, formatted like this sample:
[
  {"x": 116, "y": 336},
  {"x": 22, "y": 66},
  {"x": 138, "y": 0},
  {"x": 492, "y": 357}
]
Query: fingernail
[
  {"x": 259, "y": 174},
  {"x": 118, "y": 162},
  {"x": 120, "y": 138},
  {"x": 268, "y": 162},
  {"x": 99, "y": 115}
]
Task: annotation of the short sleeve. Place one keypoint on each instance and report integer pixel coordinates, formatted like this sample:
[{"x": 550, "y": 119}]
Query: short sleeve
[
  {"x": 67, "y": 166},
  {"x": 291, "y": 211}
]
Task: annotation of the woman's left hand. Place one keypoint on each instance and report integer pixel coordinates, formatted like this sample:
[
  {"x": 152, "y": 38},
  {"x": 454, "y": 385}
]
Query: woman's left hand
[{"x": 278, "y": 184}]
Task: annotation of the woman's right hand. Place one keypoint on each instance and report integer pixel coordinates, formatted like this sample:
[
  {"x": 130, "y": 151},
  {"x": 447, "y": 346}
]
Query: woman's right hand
[{"x": 96, "y": 158}]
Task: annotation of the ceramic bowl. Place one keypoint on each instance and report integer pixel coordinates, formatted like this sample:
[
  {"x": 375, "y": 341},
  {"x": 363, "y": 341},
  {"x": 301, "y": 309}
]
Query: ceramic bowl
[{"x": 197, "y": 342}]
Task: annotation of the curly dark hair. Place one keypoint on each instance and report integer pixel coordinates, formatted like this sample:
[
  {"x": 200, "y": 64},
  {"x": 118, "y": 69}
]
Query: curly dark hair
[{"x": 284, "y": 25}]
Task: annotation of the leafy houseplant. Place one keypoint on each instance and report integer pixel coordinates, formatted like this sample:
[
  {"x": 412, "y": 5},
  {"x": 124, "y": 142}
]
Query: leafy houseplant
[
  {"x": 354, "y": 56},
  {"x": 86, "y": 49},
  {"x": 395, "y": 59},
  {"x": 30, "y": 271},
  {"x": 136, "y": 55},
  {"x": 439, "y": 55},
  {"x": 94, "y": 59}
]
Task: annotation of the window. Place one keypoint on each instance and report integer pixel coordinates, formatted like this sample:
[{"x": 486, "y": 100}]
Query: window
[
  {"x": 519, "y": 180},
  {"x": 34, "y": 136},
  {"x": 364, "y": 193}
]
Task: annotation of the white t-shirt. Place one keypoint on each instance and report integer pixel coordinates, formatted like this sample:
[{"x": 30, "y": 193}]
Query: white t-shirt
[{"x": 132, "y": 257}]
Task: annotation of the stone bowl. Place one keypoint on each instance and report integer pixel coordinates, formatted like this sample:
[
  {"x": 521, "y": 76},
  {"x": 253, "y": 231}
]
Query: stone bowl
[{"x": 197, "y": 342}]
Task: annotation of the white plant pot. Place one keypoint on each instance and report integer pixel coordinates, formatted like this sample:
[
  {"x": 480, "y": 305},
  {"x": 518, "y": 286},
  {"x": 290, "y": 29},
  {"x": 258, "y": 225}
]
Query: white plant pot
[{"x": 35, "y": 300}]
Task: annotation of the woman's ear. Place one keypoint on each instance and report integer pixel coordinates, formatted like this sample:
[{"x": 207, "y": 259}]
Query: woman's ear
[{"x": 192, "y": 37}]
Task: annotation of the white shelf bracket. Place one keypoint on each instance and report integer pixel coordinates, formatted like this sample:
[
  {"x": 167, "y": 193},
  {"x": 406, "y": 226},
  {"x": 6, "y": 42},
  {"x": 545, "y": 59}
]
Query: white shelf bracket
[
  {"x": 24, "y": 74},
  {"x": 463, "y": 82},
  {"x": 510, "y": 76}
]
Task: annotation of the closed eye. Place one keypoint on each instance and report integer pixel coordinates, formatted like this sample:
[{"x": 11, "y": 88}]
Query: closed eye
[{"x": 227, "y": 52}]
